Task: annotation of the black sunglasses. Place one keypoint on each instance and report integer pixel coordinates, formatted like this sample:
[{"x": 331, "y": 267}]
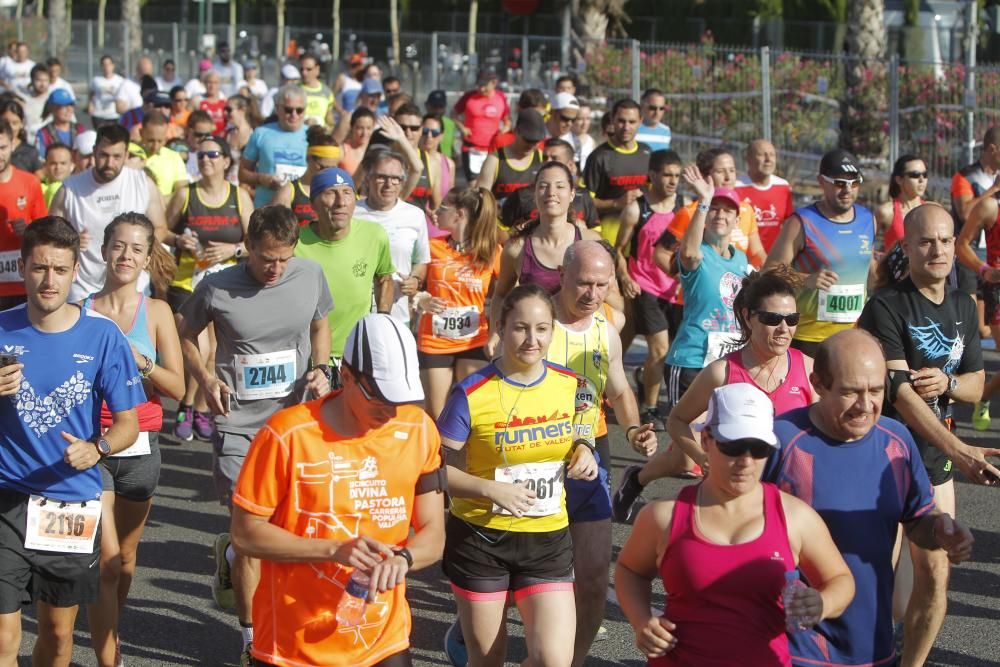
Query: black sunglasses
[
  {"x": 410, "y": 128},
  {"x": 770, "y": 319},
  {"x": 652, "y": 108},
  {"x": 916, "y": 174},
  {"x": 203, "y": 135},
  {"x": 567, "y": 119},
  {"x": 211, "y": 155},
  {"x": 295, "y": 110},
  {"x": 429, "y": 132},
  {"x": 737, "y": 448}
]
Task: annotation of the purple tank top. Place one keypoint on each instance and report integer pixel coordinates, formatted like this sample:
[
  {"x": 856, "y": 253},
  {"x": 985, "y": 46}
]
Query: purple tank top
[{"x": 533, "y": 272}]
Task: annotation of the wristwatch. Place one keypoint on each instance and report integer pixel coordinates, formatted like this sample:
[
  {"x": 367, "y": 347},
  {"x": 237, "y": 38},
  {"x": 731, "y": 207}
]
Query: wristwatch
[
  {"x": 103, "y": 447},
  {"x": 952, "y": 384},
  {"x": 405, "y": 553},
  {"x": 325, "y": 368},
  {"x": 239, "y": 251}
]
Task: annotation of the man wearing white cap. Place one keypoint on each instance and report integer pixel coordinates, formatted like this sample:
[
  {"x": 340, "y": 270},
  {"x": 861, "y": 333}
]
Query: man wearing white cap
[
  {"x": 333, "y": 535},
  {"x": 289, "y": 75},
  {"x": 565, "y": 109},
  {"x": 83, "y": 150}
]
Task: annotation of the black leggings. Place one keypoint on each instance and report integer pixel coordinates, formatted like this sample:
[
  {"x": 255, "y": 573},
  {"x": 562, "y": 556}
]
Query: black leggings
[{"x": 401, "y": 659}]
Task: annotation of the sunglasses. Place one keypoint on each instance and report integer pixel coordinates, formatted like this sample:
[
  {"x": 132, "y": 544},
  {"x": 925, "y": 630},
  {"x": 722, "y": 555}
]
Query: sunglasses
[
  {"x": 567, "y": 119},
  {"x": 770, "y": 319},
  {"x": 388, "y": 178},
  {"x": 295, "y": 110},
  {"x": 428, "y": 132},
  {"x": 211, "y": 155},
  {"x": 652, "y": 108},
  {"x": 203, "y": 135},
  {"x": 916, "y": 174},
  {"x": 843, "y": 183},
  {"x": 410, "y": 128},
  {"x": 734, "y": 449}
]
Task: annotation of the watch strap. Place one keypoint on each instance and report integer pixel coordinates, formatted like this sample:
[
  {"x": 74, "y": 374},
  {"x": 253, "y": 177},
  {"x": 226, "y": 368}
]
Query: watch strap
[{"x": 405, "y": 553}]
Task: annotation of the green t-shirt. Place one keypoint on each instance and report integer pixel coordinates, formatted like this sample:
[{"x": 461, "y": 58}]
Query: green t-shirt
[
  {"x": 169, "y": 168},
  {"x": 350, "y": 266},
  {"x": 447, "y": 145}
]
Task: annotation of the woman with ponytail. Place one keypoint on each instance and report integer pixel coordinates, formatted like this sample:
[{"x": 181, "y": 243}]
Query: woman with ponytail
[{"x": 454, "y": 324}]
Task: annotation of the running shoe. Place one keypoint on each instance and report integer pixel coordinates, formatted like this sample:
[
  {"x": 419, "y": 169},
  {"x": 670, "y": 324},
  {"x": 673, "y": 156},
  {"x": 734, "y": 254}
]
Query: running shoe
[
  {"x": 981, "y": 416},
  {"x": 246, "y": 659},
  {"x": 184, "y": 423},
  {"x": 222, "y": 583},
  {"x": 204, "y": 427},
  {"x": 454, "y": 645},
  {"x": 623, "y": 501}
]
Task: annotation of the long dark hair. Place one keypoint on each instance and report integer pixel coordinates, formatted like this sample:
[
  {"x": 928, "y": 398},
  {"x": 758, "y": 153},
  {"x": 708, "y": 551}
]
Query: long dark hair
[
  {"x": 779, "y": 281},
  {"x": 525, "y": 230},
  {"x": 898, "y": 169}
]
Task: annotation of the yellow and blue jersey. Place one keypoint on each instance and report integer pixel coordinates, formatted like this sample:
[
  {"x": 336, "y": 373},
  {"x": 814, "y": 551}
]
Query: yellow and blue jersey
[
  {"x": 507, "y": 425},
  {"x": 587, "y": 354}
]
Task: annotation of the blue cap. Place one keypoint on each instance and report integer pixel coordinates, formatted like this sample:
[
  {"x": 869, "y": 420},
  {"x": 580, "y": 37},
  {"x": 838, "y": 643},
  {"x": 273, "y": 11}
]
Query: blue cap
[
  {"x": 61, "y": 98},
  {"x": 371, "y": 87},
  {"x": 329, "y": 178}
]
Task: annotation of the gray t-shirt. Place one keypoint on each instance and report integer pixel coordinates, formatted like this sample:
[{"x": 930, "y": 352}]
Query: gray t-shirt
[{"x": 263, "y": 336}]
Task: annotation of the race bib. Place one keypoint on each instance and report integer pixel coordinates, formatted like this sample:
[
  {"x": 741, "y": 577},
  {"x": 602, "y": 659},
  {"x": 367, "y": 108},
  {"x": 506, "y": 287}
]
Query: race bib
[
  {"x": 139, "y": 448},
  {"x": 545, "y": 479},
  {"x": 720, "y": 343},
  {"x": 288, "y": 172},
  {"x": 841, "y": 303},
  {"x": 456, "y": 323},
  {"x": 8, "y": 266},
  {"x": 200, "y": 273},
  {"x": 63, "y": 527},
  {"x": 268, "y": 375}
]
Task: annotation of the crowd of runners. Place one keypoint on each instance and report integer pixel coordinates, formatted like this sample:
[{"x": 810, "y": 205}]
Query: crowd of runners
[{"x": 402, "y": 326}]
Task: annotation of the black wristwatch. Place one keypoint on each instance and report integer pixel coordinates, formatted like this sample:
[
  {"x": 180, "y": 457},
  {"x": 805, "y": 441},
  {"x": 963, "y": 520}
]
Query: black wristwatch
[
  {"x": 103, "y": 447},
  {"x": 952, "y": 384},
  {"x": 405, "y": 553},
  {"x": 327, "y": 371}
]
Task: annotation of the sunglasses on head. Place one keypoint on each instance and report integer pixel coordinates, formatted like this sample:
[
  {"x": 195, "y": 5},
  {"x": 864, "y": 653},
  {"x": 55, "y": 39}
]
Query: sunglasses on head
[
  {"x": 211, "y": 155},
  {"x": 770, "y": 319},
  {"x": 736, "y": 448},
  {"x": 430, "y": 132},
  {"x": 295, "y": 110},
  {"x": 916, "y": 174},
  {"x": 843, "y": 183}
]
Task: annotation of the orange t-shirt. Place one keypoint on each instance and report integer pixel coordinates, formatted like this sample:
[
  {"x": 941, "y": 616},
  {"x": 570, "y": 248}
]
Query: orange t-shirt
[
  {"x": 451, "y": 277},
  {"x": 21, "y": 198},
  {"x": 741, "y": 235},
  {"x": 315, "y": 483}
]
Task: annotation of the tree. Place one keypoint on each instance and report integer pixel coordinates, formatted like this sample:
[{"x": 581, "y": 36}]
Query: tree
[
  {"x": 596, "y": 20},
  {"x": 394, "y": 31},
  {"x": 132, "y": 20},
  {"x": 865, "y": 101},
  {"x": 281, "y": 46},
  {"x": 58, "y": 28}
]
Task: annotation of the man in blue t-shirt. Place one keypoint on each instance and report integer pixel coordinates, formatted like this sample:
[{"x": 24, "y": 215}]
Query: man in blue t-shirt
[
  {"x": 59, "y": 362},
  {"x": 653, "y": 132},
  {"x": 863, "y": 474},
  {"x": 276, "y": 152}
]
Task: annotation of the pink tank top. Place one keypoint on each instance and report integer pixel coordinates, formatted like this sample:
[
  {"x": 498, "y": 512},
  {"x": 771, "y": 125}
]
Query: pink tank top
[
  {"x": 641, "y": 267},
  {"x": 726, "y": 599},
  {"x": 533, "y": 272},
  {"x": 795, "y": 391}
]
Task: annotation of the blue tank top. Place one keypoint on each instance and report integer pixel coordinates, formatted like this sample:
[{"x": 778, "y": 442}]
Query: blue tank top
[
  {"x": 138, "y": 333},
  {"x": 844, "y": 248}
]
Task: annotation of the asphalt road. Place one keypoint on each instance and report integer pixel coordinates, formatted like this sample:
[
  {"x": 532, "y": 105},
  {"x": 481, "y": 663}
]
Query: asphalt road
[{"x": 171, "y": 619}]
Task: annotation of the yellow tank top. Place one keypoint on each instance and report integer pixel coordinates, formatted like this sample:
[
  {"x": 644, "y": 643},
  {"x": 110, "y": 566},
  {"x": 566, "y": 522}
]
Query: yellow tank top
[{"x": 587, "y": 354}]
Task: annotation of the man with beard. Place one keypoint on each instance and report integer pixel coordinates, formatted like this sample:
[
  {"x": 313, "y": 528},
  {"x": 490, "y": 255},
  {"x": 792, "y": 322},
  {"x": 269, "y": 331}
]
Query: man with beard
[
  {"x": 830, "y": 244},
  {"x": 91, "y": 199}
]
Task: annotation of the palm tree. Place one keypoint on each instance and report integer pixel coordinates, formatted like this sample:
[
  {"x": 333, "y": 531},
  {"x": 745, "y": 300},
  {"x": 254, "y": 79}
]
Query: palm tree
[
  {"x": 596, "y": 20},
  {"x": 865, "y": 73}
]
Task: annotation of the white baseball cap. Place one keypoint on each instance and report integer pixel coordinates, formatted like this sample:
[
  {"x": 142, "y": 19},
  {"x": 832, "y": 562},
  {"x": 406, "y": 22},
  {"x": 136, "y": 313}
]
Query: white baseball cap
[
  {"x": 740, "y": 411},
  {"x": 84, "y": 143},
  {"x": 383, "y": 350},
  {"x": 290, "y": 73},
  {"x": 565, "y": 101}
]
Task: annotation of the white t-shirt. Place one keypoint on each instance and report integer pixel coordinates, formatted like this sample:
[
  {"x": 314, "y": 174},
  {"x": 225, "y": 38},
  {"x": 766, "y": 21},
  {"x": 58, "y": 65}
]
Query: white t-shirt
[
  {"x": 258, "y": 89},
  {"x": 18, "y": 74},
  {"x": 104, "y": 91},
  {"x": 406, "y": 226},
  {"x": 33, "y": 106},
  {"x": 583, "y": 146},
  {"x": 63, "y": 84},
  {"x": 195, "y": 88},
  {"x": 230, "y": 76},
  {"x": 130, "y": 93},
  {"x": 166, "y": 86}
]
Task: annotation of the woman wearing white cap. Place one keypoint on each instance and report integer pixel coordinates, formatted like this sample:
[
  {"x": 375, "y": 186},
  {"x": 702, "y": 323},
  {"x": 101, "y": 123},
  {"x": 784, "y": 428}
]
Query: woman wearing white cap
[{"x": 725, "y": 549}]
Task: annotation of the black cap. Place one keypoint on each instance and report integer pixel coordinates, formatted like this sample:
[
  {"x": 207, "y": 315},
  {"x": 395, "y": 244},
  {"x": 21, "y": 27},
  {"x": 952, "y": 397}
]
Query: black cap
[
  {"x": 839, "y": 163},
  {"x": 530, "y": 126},
  {"x": 437, "y": 98},
  {"x": 157, "y": 98}
]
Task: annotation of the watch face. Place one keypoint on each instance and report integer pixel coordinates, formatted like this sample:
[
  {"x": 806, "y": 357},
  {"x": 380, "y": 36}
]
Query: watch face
[{"x": 104, "y": 446}]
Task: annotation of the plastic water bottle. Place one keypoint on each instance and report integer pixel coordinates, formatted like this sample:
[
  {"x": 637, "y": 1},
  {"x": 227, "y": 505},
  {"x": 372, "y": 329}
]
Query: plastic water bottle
[
  {"x": 792, "y": 583},
  {"x": 351, "y": 608},
  {"x": 199, "y": 251}
]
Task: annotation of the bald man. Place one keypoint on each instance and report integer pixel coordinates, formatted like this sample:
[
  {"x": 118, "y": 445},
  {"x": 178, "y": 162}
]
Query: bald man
[
  {"x": 863, "y": 474},
  {"x": 586, "y": 342},
  {"x": 930, "y": 336},
  {"x": 770, "y": 195}
]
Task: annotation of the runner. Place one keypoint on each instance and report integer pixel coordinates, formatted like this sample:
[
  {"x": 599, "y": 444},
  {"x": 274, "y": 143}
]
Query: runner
[
  {"x": 21, "y": 201},
  {"x": 276, "y": 152},
  {"x": 58, "y": 167},
  {"x": 907, "y": 185},
  {"x": 50, "y": 482},
  {"x": 724, "y": 548},
  {"x": 862, "y": 474},
  {"x": 514, "y": 166},
  {"x": 354, "y": 255},
  {"x": 765, "y": 312},
  {"x": 208, "y": 222},
  {"x": 90, "y": 200},
  {"x": 479, "y": 114},
  {"x": 971, "y": 185},
  {"x": 930, "y": 339},
  {"x": 618, "y": 168},
  {"x": 830, "y": 243},
  {"x": 564, "y": 110},
  {"x": 356, "y": 145},
  {"x": 319, "y": 98},
  {"x": 313, "y": 548},
  {"x": 323, "y": 153},
  {"x": 454, "y": 324},
  {"x": 652, "y": 292},
  {"x": 507, "y": 533},
  {"x": 130, "y": 476},
  {"x": 654, "y": 132},
  {"x": 261, "y": 366},
  {"x": 438, "y": 174},
  {"x": 769, "y": 194}
]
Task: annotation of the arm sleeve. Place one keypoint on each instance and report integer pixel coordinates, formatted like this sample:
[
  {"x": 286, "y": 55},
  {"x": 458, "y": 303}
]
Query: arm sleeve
[
  {"x": 422, "y": 248},
  {"x": 432, "y": 461},
  {"x": 251, "y": 151},
  {"x": 324, "y": 304},
  {"x": 264, "y": 480},
  {"x": 878, "y": 320},
  {"x": 385, "y": 265},
  {"x": 455, "y": 422},
  {"x": 38, "y": 207},
  {"x": 119, "y": 381}
]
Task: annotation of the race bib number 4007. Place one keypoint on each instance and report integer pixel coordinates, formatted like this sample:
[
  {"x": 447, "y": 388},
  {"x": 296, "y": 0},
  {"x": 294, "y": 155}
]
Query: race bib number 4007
[
  {"x": 62, "y": 527},
  {"x": 841, "y": 303}
]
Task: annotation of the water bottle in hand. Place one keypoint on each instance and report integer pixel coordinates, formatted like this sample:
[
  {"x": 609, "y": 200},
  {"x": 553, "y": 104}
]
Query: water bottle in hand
[
  {"x": 792, "y": 583},
  {"x": 351, "y": 608}
]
